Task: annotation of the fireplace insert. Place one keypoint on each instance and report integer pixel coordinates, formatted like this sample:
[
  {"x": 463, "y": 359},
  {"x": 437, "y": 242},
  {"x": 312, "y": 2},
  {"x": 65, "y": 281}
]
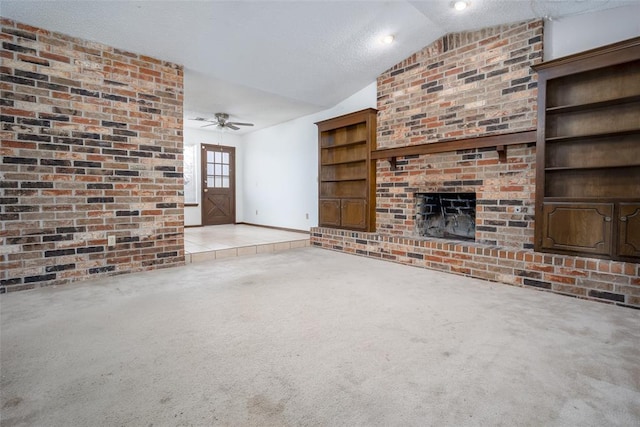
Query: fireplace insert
[{"x": 447, "y": 215}]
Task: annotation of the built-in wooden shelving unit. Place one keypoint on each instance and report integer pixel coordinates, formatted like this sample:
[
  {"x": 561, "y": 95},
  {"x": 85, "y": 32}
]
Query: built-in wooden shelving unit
[
  {"x": 588, "y": 153},
  {"x": 346, "y": 175}
]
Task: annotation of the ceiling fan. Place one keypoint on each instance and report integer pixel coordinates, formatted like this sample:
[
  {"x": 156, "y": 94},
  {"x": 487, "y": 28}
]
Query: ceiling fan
[{"x": 222, "y": 122}]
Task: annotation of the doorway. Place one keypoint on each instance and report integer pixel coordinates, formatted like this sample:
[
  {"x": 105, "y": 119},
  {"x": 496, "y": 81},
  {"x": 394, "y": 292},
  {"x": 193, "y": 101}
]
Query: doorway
[{"x": 218, "y": 185}]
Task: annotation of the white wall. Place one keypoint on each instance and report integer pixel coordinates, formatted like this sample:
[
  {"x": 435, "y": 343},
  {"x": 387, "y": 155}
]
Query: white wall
[
  {"x": 192, "y": 215},
  {"x": 280, "y": 167},
  {"x": 566, "y": 36}
]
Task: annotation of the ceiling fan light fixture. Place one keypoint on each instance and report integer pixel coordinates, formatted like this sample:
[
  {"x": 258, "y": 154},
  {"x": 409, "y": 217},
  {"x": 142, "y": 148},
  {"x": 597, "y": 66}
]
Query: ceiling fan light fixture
[
  {"x": 460, "y": 5},
  {"x": 222, "y": 122}
]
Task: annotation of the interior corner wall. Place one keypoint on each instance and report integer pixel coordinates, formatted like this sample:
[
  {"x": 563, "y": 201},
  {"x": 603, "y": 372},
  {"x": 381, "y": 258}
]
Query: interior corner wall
[
  {"x": 91, "y": 147},
  {"x": 280, "y": 167},
  {"x": 193, "y": 214},
  {"x": 566, "y": 36}
]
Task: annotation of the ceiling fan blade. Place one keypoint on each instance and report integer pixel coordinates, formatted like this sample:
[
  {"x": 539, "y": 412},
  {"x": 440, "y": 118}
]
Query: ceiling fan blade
[
  {"x": 240, "y": 124},
  {"x": 200, "y": 119},
  {"x": 210, "y": 124},
  {"x": 231, "y": 126}
]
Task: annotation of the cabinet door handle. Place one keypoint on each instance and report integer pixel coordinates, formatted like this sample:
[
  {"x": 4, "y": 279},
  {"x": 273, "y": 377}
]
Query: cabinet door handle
[
  {"x": 607, "y": 218},
  {"x": 623, "y": 218}
]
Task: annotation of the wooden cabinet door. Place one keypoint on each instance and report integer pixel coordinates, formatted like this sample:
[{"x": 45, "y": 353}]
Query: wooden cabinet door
[
  {"x": 329, "y": 213},
  {"x": 354, "y": 214},
  {"x": 577, "y": 227},
  {"x": 629, "y": 230}
]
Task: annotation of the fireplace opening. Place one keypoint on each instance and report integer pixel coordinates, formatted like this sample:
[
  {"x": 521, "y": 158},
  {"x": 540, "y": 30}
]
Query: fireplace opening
[{"x": 448, "y": 215}]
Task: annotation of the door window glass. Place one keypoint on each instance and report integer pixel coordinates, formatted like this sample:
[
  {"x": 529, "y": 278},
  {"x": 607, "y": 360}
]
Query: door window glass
[{"x": 218, "y": 169}]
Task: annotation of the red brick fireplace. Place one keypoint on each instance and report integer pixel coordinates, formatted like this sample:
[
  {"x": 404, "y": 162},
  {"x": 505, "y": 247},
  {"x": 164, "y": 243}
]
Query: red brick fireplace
[{"x": 459, "y": 117}]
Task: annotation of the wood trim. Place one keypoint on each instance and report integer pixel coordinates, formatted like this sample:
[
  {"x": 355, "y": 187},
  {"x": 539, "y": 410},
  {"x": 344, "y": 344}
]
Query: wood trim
[
  {"x": 503, "y": 140},
  {"x": 502, "y": 153},
  {"x": 191, "y": 205},
  {"x": 581, "y": 56},
  {"x": 293, "y": 230},
  {"x": 540, "y": 162},
  {"x": 345, "y": 120},
  {"x": 617, "y": 53}
]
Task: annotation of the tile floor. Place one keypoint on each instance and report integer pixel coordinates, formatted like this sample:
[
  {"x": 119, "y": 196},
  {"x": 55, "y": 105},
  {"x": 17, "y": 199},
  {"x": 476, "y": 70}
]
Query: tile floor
[{"x": 224, "y": 241}]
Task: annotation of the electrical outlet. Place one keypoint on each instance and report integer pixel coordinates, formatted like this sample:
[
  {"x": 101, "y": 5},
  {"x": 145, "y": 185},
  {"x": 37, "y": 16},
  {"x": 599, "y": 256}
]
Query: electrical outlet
[{"x": 111, "y": 240}]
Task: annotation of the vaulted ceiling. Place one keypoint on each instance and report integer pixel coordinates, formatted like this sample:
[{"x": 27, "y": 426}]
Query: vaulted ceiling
[{"x": 267, "y": 62}]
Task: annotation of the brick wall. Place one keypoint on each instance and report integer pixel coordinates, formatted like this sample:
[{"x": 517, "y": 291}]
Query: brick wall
[
  {"x": 502, "y": 189},
  {"x": 91, "y": 146},
  {"x": 465, "y": 84},
  {"x": 462, "y": 86}
]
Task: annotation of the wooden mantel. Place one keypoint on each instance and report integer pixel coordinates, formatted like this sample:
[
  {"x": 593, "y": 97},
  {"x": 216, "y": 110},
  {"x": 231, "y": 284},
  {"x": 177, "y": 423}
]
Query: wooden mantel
[{"x": 499, "y": 141}]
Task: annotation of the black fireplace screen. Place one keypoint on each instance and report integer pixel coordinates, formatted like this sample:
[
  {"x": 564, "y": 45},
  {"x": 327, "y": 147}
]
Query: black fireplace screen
[{"x": 449, "y": 215}]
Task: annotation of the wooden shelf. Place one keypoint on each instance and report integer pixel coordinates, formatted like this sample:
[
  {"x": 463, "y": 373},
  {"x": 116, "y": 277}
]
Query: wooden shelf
[
  {"x": 592, "y": 136},
  {"x": 344, "y": 179},
  {"x": 498, "y": 141},
  {"x": 589, "y": 199},
  {"x": 592, "y": 105},
  {"x": 345, "y": 162},
  {"x": 568, "y": 168},
  {"x": 346, "y": 144}
]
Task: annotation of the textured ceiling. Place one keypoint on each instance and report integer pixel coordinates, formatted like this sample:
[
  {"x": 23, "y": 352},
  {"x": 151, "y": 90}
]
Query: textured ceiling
[{"x": 267, "y": 62}]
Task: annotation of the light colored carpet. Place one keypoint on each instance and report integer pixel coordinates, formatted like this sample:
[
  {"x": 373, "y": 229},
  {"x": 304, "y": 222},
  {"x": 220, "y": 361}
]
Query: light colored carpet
[{"x": 313, "y": 337}]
